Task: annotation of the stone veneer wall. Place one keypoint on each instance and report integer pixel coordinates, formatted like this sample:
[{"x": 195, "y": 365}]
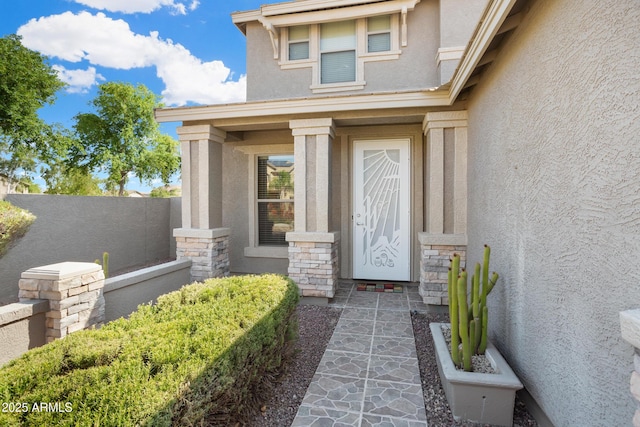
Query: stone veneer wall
[
  {"x": 74, "y": 292},
  {"x": 209, "y": 255},
  {"x": 434, "y": 267},
  {"x": 314, "y": 267}
]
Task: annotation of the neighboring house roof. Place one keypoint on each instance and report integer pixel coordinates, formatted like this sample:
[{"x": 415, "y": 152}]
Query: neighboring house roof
[{"x": 498, "y": 19}]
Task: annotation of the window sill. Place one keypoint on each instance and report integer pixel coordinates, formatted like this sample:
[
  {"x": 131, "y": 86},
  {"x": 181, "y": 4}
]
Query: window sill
[
  {"x": 280, "y": 252},
  {"x": 380, "y": 56},
  {"x": 338, "y": 87},
  {"x": 301, "y": 63}
]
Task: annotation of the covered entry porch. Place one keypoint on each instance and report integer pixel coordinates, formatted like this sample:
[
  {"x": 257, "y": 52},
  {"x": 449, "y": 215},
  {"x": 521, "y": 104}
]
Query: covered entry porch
[{"x": 322, "y": 155}]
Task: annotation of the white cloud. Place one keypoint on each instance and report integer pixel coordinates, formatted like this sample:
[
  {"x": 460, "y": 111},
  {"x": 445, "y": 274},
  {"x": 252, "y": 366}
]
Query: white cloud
[
  {"x": 139, "y": 6},
  {"x": 106, "y": 42},
  {"x": 79, "y": 81}
]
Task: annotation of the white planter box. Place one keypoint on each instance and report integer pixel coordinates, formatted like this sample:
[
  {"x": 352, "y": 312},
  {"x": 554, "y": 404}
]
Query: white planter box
[{"x": 477, "y": 397}]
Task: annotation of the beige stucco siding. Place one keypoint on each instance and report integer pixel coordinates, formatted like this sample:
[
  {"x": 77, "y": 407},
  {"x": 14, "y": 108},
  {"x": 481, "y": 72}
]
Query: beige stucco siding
[
  {"x": 416, "y": 67},
  {"x": 554, "y": 184}
]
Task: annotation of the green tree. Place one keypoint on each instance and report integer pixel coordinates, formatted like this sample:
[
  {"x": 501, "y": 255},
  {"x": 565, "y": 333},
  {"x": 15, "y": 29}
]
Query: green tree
[
  {"x": 61, "y": 179},
  {"x": 27, "y": 83},
  {"x": 122, "y": 137}
]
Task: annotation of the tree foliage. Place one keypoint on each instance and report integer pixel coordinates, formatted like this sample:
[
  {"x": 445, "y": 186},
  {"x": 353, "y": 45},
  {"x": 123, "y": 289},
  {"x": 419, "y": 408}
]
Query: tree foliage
[
  {"x": 122, "y": 137},
  {"x": 27, "y": 83}
]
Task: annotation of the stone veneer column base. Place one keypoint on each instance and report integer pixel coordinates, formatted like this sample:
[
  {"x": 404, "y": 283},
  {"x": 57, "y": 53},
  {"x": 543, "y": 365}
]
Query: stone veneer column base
[
  {"x": 208, "y": 251},
  {"x": 435, "y": 254},
  {"x": 75, "y": 294},
  {"x": 313, "y": 263}
]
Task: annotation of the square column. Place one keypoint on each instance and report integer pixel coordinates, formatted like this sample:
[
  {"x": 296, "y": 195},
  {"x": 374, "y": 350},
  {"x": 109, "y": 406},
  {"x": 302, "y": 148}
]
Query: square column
[
  {"x": 202, "y": 238},
  {"x": 313, "y": 247},
  {"x": 208, "y": 251},
  {"x": 445, "y": 202},
  {"x": 75, "y": 294},
  {"x": 313, "y": 263}
]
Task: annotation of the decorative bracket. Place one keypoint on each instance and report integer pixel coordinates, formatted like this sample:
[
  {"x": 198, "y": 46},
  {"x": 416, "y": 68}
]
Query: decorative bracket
[
  {"x": 275, "y": 37},
  {"x": 404, "y": 26}
]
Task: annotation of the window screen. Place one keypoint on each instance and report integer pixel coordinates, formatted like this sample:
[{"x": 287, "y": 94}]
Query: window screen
[
  {"x": 338, "y": 52},
  {"x": 275, "y": 199},
  {"x": 379, "y": 34},
  {"x": 298, "y": 42}
]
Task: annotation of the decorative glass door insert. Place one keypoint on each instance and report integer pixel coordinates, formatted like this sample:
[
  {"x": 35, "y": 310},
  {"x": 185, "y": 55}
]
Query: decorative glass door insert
[{"x": 381, "y": 217}]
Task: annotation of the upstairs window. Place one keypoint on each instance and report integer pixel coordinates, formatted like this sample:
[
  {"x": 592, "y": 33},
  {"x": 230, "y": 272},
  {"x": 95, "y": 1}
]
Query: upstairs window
[
  {"x": 338, "y": 52},
  {"x": 275, "y": 199},
  {"x": 379, "y": 34},
  {"x": 298, "y": 42}
]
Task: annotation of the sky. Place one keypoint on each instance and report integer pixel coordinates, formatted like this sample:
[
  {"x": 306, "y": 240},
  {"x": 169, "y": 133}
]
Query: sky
[{"x": 186, "y": 51}]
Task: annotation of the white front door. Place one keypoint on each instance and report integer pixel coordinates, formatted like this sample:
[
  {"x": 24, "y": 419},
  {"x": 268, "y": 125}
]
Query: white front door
[{"x": 381, "y": 204}]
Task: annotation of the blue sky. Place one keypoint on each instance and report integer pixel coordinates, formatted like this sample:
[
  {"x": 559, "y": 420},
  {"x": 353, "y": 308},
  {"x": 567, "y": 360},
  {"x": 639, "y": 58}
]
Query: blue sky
[{"x": 187, "y": 51}]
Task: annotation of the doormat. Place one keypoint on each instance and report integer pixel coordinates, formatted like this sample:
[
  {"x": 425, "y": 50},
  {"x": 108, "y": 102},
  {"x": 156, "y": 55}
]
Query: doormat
[{"x": 386, "y": 287}]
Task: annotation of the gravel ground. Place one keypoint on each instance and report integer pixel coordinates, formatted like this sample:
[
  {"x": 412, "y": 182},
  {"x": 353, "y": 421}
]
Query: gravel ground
[
  {"x": 435, "y": 401},
  {"x": 278, "y": 405}
]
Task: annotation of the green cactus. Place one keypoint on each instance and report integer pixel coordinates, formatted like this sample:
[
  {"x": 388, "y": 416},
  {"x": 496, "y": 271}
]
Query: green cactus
[
  {"x": 463, "y": 324},
  {"x": 469, "y": 314},
  {"x": 453, "y": 307},
  {"x": 105, "y": 264}
]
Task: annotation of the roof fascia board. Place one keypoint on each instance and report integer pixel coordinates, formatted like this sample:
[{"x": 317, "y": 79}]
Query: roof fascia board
[
  {"x": 354, "y": 11},
  {"x": 494, "y": 15},
  {"x": 309, "y": 5},
  {"x": 304, "y": 106}
]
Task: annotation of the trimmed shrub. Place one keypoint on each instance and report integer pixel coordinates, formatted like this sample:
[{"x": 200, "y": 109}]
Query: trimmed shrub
[
  {"x": 14, "y": 223},
  {"x": 198, "y": 354}
]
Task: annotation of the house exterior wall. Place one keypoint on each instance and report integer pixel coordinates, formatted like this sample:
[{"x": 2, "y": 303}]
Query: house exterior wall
[
  {"x": 554, "y": 178},
  {"x": 415, "y": 69}
]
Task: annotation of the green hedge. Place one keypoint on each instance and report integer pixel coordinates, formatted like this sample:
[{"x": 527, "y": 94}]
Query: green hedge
[
  {"x": 196, "y": 355},
  {"x": 14, "y": 223}
]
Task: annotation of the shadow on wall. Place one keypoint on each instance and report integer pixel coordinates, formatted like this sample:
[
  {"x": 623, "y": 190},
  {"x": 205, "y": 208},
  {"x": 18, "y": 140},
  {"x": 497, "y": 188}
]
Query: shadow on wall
[{"x": 134, "y": 231}]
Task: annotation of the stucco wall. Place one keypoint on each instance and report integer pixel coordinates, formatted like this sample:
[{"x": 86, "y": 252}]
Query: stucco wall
[
  {"x": 123, "y": 294},
  {"x": 235, "y": 215},
  {"x": 23, "y": 326},
  {"x": 134, "y": 231},
  {"x": 265, "y": 79},
  {"x": 554, "y": 184}
]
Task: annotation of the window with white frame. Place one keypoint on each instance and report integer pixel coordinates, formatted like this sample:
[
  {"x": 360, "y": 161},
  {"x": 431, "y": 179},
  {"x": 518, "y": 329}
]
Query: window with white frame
[
  {"x": 379, "y": 34},
  {"x": 338, "y": 45},
  {"x": 298, "y": 39},
  {"x": 275, "y": 199},
  {"x": 337, "y": 51}
]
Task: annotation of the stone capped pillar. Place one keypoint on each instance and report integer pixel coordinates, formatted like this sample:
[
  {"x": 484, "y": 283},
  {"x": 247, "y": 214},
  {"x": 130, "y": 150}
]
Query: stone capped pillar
[
  {"x": 445, "y": 202},
  {"x": 75, "y": 294},
  {"x": 202, "y": 238},
  {"x": 313, "y": 247}
]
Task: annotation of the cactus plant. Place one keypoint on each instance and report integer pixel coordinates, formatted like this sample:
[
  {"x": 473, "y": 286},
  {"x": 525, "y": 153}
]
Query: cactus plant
[
  {"x": 105, "y": 264},
  {"x": 469, "y": 314}
]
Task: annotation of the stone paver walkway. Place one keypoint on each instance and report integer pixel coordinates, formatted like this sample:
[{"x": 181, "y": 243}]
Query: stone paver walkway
[{"x": 369, "y": 373}]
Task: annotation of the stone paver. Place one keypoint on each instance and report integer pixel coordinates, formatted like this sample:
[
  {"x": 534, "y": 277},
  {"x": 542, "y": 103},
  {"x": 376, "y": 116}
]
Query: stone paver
[{"x": 369, "y": 375}]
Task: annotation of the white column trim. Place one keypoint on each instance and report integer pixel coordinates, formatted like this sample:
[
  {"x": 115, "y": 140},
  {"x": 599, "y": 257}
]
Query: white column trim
[
  {"x": 300, "y": 180},
  {"x": 436, "y": 181},
  {"x": 186, "y": 183},
  {"x": 460, "y": 182}
]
